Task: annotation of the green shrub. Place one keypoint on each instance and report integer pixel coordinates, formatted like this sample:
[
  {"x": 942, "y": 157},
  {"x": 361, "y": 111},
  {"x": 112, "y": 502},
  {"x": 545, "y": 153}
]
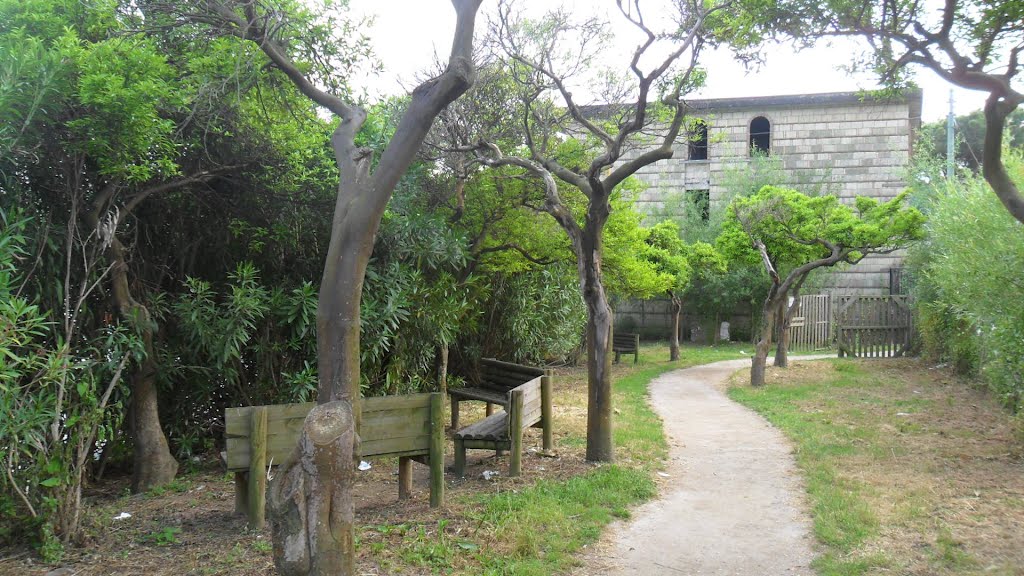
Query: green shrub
[{"x": 968, "y": 283}]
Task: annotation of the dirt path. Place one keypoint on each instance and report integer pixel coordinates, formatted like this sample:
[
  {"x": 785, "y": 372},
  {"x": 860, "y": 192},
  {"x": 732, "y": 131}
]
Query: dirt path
[{"x": 733, "y": 504}]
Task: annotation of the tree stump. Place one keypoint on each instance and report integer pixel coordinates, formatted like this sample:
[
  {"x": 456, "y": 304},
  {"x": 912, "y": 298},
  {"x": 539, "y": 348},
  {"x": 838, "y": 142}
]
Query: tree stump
[{"x": 310, "y": 505}]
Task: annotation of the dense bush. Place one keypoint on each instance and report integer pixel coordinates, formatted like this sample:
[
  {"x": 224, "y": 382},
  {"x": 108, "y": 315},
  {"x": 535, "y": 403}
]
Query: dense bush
[
  {"x": 61, "y": 399},
  {"x": 968, "y": 284},
  {"x": 534, "y": 317}
]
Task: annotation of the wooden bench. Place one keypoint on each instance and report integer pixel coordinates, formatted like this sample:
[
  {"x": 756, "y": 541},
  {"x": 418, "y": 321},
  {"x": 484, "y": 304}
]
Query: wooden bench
[
  {"x": 407, "y": 427},
  {"x": 528, "y": 404},
  {"x": 626, "y": 343},
  {"x": 496, "y": 379}
]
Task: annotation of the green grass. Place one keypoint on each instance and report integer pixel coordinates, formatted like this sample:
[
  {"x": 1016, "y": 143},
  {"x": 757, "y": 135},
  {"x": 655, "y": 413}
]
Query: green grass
[
  {"x": 549, "y": 522},
  {"x": 536, "y": 530},
  {"x": 842, "y": 518}
]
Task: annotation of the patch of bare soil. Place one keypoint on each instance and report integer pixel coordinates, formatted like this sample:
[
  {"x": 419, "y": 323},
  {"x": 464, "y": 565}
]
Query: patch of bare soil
[
  {"x": 190, "y": 528},
  {"x": 940, "y": 462}
]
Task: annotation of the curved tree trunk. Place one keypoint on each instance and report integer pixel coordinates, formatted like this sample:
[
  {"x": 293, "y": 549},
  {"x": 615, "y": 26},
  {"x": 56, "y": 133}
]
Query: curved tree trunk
[
  {"x": 152, "y": 463},
  {"x": 311, "y": 504},
  {"x": 782, "y": 343},
  {"x": 760, "y": 358},
  {"x": 673, "y": 341}
]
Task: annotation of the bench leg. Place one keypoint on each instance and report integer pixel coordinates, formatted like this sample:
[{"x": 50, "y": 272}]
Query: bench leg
[
  {"x": 437, "y": 481},
  {"x": 490, "y": 409},
  {"x": 404, "y": 477},
  {"x": 636, "y": 356},
  {"x": 455, "y": 414},
  {"x": 515, "y": 432},
  {"x": 242, "y": 493},
  {"x": 460, "y": 458},
  {"x": 618, "y": 357}
]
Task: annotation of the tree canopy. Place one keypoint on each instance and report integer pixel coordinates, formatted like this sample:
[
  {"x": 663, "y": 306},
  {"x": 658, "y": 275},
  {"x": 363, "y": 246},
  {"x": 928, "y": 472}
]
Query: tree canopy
[{"x": 793, "y": 234}]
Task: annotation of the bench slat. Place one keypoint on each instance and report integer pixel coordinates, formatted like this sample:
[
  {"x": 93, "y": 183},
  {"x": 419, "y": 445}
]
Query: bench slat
[
  {"x": 398, "y": 423},
  {"x": 473, "y": 393},
  {"x": 511, "y": 367},
  {"x": 236, "y": 420},
  {"x": 494, "y": 427}
]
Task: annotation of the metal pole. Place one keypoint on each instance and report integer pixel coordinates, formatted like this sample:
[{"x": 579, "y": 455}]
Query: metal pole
[{"x": 950, "y": 154}]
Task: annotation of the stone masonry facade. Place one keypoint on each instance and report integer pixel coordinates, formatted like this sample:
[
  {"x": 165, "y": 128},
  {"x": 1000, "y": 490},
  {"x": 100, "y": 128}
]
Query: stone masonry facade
[{"x": 856, "y": 145}]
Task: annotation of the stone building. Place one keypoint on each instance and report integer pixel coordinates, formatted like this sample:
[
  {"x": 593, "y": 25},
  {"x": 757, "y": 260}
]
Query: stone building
[
  {"x": 855, "y": 145},
  {"x": 859, "y": 146}
]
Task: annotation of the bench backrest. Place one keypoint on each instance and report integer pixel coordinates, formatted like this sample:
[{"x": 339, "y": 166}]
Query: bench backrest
[
  {"x": 504, "y": 376},
  {"x": 625, "y": 341},
  {"x": 391, "y": 425},
  {"x": 532, "y": 401}
]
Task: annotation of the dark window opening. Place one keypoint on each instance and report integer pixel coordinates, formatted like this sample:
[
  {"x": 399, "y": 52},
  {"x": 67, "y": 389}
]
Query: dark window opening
[
  {"x": 760, "y": 135},
  {"x": 896, "y": 284},
  {"x": 701, "y": 202},
  {"x": 699, "y": 140}
]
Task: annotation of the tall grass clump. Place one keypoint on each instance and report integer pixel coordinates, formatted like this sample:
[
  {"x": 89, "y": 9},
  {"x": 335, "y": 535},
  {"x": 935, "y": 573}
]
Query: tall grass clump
[{"x": 969, "y": 281}]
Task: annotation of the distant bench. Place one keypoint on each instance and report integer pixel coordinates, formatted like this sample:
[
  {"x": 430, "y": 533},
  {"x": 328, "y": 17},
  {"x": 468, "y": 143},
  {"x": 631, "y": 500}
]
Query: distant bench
[
  {"x": 528, "y": 404},
  {"x": 496, "y": 379},
  {"x": 626, "y": 343},
  {"x": 407, "y": 427}
]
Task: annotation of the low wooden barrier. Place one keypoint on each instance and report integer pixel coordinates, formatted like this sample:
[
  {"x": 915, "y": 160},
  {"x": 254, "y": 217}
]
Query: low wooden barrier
[
  {"x": 496, "y": 379},
  {"x": 626, "y": 343},
  {"x": 529, "y": 404},
  {"x": 407, "y": 427}
]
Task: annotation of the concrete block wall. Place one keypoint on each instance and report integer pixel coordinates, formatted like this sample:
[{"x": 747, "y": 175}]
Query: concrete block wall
[{"x": 856, "y": 146}]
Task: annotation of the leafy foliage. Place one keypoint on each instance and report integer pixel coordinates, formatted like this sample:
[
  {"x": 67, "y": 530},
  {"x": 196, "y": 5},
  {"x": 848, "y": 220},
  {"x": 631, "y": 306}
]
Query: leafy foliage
[
  {"x": 969, "y": 129},
  {"x": 58, "y": 405},
  {"x": 969, "y": 295}
]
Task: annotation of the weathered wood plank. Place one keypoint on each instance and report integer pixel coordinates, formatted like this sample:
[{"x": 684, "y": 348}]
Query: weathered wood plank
[
  {"x": 494, "y": 426},
  {"x": 258, "y": 468},
  {"x": 382, "y": 403},
  {"x": 392, "y": 445},
  {"x": 510, "y": 366},
  {"x": 436, "y": 450},
  {"x": 404, "y": 478},
  {"x": 395, "y": 423},
  {"x": 473, "y": 393},
  {"x": 236, "y": 420},
  {"x": 515, "y": 423},
  {"x": 547, "y": 420}
]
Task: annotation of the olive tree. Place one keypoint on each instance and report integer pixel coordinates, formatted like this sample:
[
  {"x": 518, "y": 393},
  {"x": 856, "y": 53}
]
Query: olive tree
[
  {"x": 310, "y": 499},
  {"x": 793, "y": 234},
  {"x": 683, "y": 263},
  {"x": 588, "y": 151}
]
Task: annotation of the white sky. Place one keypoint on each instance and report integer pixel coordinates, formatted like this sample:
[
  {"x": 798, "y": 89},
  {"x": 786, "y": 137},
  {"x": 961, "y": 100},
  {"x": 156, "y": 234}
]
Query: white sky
[{"x": 407, "y": 34}]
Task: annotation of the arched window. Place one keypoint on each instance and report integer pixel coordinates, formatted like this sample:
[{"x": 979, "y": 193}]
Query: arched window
[
  {"x": 760, "y": 135},
  {"x": 698, "y": 140}
]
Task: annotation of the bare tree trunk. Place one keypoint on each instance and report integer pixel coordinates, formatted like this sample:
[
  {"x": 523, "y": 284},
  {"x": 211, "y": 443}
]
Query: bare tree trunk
[
  {"x": 673, "y": 341},
  {"x": 310, "y": 500},
  {"x": 306, "y": 500},
  {"x": 782, "y": 343},
  {"x": 152, "y": 463},
  {"x": 600, "y": 447},
  {"x": 760, "y": 358}
]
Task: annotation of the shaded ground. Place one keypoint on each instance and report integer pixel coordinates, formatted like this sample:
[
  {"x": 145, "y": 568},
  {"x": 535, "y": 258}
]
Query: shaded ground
[
  {"x": 189, "y": 527},
  {"x": 732, "y": 500}
]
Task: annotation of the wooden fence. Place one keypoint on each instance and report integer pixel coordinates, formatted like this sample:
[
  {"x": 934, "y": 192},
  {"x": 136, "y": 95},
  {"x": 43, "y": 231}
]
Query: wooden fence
[
  {"x": 810, "y": 328},
  {"x": 873, "y": 326}
]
